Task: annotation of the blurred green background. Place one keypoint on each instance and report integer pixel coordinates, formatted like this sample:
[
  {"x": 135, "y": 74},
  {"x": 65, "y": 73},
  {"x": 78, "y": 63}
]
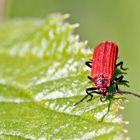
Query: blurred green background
[{"x": 116, "y": 20}]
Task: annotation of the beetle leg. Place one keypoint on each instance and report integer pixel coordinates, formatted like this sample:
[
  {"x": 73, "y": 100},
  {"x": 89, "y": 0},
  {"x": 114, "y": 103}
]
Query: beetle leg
[
  {"x": 121, "y": 66},
  {"x": 116, "y": 84},
  {"x": 81, "y": 100},
  {"x": 125, "y": 82},
  {"x": 116, "y": 80},
  {"x": 89, "y": 92},
  {"x": 108, "y": 109},
  {"x": 90, "y": 78},
  {"x": 101, "y": 99},
  {"x": 119, "y": 80},
  {"x": 89, "y": 63}
]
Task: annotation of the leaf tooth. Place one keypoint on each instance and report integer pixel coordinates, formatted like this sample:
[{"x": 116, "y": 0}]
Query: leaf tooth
[
  {"x": 73, "y": 26},
  {"x": 65, "y": 16}
]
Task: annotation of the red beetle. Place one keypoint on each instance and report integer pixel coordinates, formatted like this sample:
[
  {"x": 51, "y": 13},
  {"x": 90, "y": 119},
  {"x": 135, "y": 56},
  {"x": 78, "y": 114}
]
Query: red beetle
[{"x": 103, "y": 65}]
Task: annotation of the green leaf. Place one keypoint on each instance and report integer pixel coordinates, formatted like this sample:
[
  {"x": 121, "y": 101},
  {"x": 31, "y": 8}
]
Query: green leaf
[{"x": 42, "y": 76}]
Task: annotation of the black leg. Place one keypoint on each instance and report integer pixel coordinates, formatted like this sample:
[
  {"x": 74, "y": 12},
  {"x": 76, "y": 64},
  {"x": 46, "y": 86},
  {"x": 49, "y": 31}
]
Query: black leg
[
  {"x": 81, "y": 100},
  {"x": 89, "y": 92},
  {"x": 102, "y": 99},
  {"x": 108, "y": 109},
  {"x": 125, "y": 82},
  {"x": 121, "y": 66},
  {"x": 89, "y": 63},
  {"x": 118, "y": 80},
  {"x": 90, "y": 78}
]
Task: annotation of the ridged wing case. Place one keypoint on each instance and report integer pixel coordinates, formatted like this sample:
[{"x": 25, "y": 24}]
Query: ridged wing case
[{"x": 104, "y": 60}]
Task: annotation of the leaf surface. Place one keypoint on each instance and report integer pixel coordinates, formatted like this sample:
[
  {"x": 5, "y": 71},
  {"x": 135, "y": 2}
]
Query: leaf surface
[{"x": 42, "y": 76}]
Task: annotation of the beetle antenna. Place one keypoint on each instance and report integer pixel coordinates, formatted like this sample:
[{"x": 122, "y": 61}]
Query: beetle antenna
[{"x": 127, "y": 92}]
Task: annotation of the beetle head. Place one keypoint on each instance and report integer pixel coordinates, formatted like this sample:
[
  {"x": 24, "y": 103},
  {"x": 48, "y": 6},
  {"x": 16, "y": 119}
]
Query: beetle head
[{"x": 103, "y": 91}]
